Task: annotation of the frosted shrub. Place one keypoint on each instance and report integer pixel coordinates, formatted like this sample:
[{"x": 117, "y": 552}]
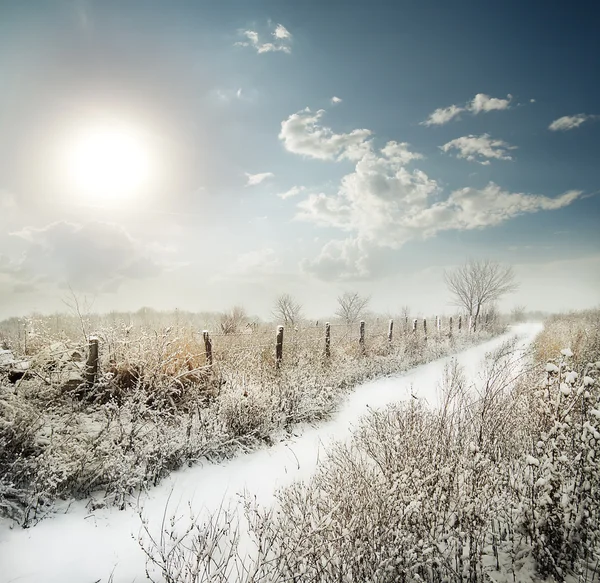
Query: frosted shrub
[
  {"x": 246, "y": 414},
  {"x": 563, "y": 478}
]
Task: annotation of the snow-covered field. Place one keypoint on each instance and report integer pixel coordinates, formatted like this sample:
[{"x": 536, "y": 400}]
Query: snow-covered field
[{"x": 81, "y": 546}]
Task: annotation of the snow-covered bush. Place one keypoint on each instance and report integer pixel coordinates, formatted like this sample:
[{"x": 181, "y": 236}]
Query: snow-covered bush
[{"x": 561, "y": 501}]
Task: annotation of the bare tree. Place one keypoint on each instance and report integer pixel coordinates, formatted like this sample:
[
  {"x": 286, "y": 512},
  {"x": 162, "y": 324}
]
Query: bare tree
[
  {"x": 287, "y": 310},
  {"x": 518, "y": 313},
  {"x": 479, "y": 283},
  {"x": 231, "y": 322},
  {"x": 351, "y": 306}
]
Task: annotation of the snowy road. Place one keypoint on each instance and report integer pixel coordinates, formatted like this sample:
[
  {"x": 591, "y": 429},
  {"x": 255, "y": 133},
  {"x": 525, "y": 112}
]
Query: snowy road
[{"x": 79, "y": 547}]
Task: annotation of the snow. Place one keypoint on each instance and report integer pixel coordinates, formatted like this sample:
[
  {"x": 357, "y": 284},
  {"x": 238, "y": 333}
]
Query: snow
[
  {"x": 6, "y": 357},
  {"x": 571, "y": 377},
  {"x": 79, "y": 546}
]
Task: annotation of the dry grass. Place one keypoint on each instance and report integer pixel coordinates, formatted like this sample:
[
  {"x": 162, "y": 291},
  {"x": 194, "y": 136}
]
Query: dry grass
[
  {"x": 157, "y": 405},
  {"x": 577, "y": 331}
]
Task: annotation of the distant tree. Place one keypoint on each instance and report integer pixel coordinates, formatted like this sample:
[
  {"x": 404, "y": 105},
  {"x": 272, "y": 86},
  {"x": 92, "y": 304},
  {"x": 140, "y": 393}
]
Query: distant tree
[
  {"x": 405, "y": 312},
  {"x": 232, "y": 321},
  {"x": 518, "y": 314},
  {"x": 351, "y": 306},
  {"x": 287, "y": 310},
  {"x": 477, "y": 284}
]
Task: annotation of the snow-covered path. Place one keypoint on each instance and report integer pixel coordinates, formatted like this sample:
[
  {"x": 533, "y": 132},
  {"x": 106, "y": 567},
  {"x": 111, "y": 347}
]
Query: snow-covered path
[{"x": 84, "y": 547}]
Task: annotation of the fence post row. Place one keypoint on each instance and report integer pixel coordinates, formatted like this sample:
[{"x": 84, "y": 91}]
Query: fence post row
[
  {"x": 92, "y": 363},
  {"x": 207, "y": 347},
  {"x": 91, "y": 366},
  {"x": 361, "y": 338},
  {"x": 279, "y": 346}
]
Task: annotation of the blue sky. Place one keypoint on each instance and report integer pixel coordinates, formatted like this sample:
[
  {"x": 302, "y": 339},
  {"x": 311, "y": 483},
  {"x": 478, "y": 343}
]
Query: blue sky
[{"x": 234, "y": 100}]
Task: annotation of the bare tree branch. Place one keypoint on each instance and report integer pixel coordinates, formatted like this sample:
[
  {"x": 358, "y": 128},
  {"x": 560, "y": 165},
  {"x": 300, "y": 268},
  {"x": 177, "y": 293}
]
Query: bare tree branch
[
  {"x": 231, "y": 322},
  {"x": 287, "y": 310},
  {"x": 479, "y": 283},
  {"x": 351, "y": 306}
]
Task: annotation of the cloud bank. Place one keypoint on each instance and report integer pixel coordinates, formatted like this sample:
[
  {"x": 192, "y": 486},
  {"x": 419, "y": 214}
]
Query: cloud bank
[{"x": 385, "y": 202}]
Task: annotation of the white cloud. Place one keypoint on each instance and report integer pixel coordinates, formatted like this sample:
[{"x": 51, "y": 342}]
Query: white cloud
[
  {"x": 479, "y": 148},
  {"x": 294, "y": 191},
  {"x": 281, "y": 32},
  {"x": 301, "y": 133},
  {"x": 480, "y": 103},
  {"x": 373, "y": 200},
  {"x": 472, "y": 208},
  {"x": 282, "y": 41},
  {"x": 378, "y": 215},
  {"x": 346, "y": 259},
  {"x": 254, "y": 179},
  {"x": 383, "y": 203},
  {"x": 335, "y": 100},
  {"x": 94, "y": 257},
  {"x": 443, "y": 115},
  {"x": 569, "y": 122}
]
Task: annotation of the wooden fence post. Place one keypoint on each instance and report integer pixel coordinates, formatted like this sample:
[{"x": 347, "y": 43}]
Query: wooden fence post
[
  {"x": 450, "y": 326},
  {"x": 361, "y": 338},
  {"x": 459, "y": 323},
  {"x": 327, "y": 340},
  {"x": 390, "y": 330},
  {"x": 425, "y": 327},
  {"x": 470, "y": 324},
  {"x": 91, "y": 366},
  {"x": 415, "y": 326},
  {"x": 207, "y": 347},
  {"x": 279, "y": 346}
]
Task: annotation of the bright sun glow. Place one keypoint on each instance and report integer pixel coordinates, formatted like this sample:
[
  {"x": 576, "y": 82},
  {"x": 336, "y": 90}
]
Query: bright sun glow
[{"x": 111, "y": 162}]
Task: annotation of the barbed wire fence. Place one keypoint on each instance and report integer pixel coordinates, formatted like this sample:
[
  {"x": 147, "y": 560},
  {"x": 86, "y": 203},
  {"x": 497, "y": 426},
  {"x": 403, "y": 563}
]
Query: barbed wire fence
[{"x": 184, "y": 346}]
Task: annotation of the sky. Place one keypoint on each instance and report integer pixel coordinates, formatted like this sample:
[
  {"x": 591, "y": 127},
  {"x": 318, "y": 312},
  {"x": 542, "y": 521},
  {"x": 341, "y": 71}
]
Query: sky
[{"x": 202, "y": 154}]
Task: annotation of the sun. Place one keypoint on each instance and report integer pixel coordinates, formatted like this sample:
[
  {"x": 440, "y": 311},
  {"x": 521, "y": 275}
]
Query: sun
[{"x": 108, "y": 161}]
